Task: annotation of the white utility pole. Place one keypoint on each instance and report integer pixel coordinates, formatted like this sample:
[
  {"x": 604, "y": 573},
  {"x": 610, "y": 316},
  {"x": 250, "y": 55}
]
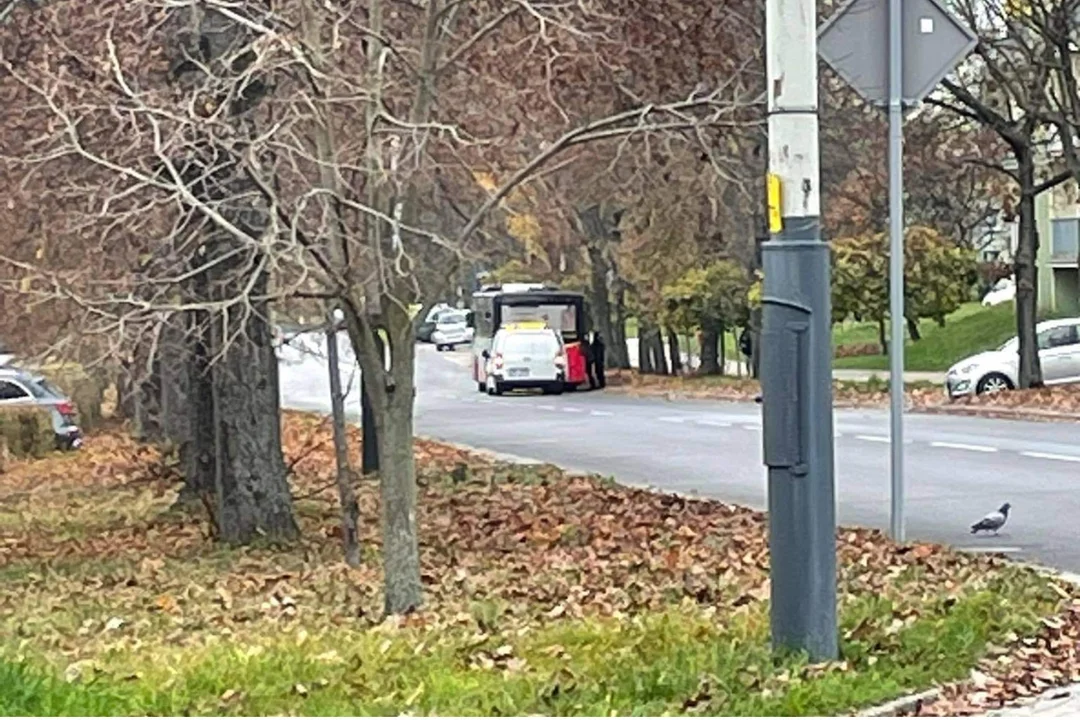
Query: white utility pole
[{"x": 796, "y": 348}]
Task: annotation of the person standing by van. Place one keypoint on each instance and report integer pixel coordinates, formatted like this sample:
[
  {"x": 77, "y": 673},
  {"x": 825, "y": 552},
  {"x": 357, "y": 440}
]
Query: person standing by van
[{"x": 596, "y": 373}]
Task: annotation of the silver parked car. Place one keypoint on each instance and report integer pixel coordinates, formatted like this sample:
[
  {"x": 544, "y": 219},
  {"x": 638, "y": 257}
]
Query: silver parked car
[
  {"x": 996, "y": 370},
  {"x": 22, "y": 387}
]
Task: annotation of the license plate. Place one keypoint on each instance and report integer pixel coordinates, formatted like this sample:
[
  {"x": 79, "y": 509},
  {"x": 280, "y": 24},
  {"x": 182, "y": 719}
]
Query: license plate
[{"x": 518, "y": 372}]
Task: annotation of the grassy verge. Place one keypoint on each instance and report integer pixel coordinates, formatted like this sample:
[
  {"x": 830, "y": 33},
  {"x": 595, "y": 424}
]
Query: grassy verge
[
  {"x": 969, "y": 330},
  {"x": 546, "y": 594}
]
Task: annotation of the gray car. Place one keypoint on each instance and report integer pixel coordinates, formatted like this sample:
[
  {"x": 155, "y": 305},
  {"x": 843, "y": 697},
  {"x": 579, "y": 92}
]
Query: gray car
[{"x": 22, "y": 387}]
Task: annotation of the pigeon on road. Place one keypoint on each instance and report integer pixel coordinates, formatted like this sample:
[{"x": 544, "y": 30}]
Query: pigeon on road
[{"x": 994, "y": 521}]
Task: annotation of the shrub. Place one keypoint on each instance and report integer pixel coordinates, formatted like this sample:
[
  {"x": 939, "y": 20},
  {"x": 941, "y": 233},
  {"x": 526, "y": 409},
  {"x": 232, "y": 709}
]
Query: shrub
[
  {"x": 85, "y": 389},
  {"x": 27, "y": 431}
]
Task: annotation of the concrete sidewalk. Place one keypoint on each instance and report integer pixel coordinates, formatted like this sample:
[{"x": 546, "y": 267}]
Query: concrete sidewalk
[
  {"x": 909, "y": 377},
  {"x": 1060, "y": 702}
]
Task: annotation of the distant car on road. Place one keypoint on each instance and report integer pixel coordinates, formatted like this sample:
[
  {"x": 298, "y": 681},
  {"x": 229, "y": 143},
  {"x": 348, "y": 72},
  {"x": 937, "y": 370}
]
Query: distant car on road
[
  {"x": 452, "y": 329},
  {"x": 997, "y": 370},
  {"x": 1003, "y": 291},
  {"x": 22, "y": 387},
  {"x": 425, "y": 329},
  {"x": 523, "y": 358}
]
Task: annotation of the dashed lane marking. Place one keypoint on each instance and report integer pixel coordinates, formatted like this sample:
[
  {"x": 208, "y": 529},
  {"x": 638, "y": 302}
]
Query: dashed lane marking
[
  {"x": 601, "y": 413},
  {"x": 873, "y": 438},
  {"x": 964, "y": 446},
  {"x": 1051, "y": 456},
  {"x": 672, "y": 419},
  {"x": 713, "y": 423}
]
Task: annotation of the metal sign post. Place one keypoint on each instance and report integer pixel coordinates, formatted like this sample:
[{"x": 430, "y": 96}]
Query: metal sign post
[{"x": 924, "y": 43}]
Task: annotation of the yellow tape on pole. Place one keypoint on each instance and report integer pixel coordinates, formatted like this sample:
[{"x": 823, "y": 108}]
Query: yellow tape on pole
[{"x": 776, "y": 223}]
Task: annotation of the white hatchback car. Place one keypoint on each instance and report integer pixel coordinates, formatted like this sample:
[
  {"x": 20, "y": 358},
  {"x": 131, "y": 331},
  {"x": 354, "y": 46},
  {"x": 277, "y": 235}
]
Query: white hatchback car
[
  {"x": 522, "y": 359},
  {"x": 996, "y": 370}
]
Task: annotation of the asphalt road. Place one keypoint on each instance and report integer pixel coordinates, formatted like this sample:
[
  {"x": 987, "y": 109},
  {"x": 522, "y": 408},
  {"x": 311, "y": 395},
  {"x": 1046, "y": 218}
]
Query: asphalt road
[{"x": 958, "y": 468}]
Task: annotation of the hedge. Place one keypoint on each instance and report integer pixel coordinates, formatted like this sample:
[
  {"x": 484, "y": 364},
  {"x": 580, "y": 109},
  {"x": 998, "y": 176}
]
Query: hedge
[{"x": 26, "y": 431}]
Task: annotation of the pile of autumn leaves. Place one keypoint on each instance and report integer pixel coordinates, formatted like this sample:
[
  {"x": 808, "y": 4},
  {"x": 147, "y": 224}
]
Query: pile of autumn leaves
[{"x": 536, "y": 545}]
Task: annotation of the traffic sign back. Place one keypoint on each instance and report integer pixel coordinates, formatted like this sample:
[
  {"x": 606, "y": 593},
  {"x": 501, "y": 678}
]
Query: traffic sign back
[{"x": 855, "y": 43}]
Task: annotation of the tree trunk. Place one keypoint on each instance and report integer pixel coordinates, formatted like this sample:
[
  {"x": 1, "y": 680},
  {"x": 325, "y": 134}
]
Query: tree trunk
[
  {"x": 369, "y": 449},
  {"x": 1026, "y": 271},
  {"x": 197, "y": 457},
  {"x": 883, "y": 339},
  {"x": 710, "y": 351},
  {"x": 599, "y": 299},
  {"x": 656, "y": 343},
  {"x": 350, "y": 511},
  {"x": 645, "y": 356},
  {"x": 254, "y": 500},
  {"x": 397, "y": 475},
  {"x": 618, "y": 355},
  {"x": 674, "y": 351},
  {"x": 146, "y": 396},
  {"x": 913, "y": 330},
  {"x": 174, "y": 351},
  {"x": 721, "y": 345}
]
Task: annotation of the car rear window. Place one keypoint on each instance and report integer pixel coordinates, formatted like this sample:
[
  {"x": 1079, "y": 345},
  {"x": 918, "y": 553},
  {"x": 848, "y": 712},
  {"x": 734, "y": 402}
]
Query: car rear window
[
  {"x": 44, "y": 390},
  {"x": 452, "y": 319},
  {"x": 535, "y": 343}
]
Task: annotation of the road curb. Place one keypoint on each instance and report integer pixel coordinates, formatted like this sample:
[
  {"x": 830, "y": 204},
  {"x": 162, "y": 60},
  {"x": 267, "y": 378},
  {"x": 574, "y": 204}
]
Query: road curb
[{"x": 907, "y": 704}]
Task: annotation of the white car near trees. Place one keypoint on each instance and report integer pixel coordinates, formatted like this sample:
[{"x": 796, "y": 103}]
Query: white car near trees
[{"x": 997, "y": 370}]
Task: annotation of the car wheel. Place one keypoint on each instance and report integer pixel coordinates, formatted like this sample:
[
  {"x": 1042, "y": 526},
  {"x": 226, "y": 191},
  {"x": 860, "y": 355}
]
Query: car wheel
[
  {"x": 993, "y": 383},
  {"x": 450, "y": 347},
  {"x": 481, "y": 387},
  {"x": 556, "y": 389}
]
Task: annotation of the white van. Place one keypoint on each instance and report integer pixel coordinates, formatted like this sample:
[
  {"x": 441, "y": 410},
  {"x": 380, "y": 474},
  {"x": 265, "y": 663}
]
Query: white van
[{"x": 525, "y": 358}]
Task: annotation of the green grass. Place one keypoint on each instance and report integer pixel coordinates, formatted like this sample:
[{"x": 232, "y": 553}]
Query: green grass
[
  {"x": 669, "y": 663},
  {"x": 970, "y": 330}
]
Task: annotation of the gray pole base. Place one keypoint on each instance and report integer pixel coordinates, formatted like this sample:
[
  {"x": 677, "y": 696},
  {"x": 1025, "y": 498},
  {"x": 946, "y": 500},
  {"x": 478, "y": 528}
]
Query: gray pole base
[{"x": 796, "y": 377}]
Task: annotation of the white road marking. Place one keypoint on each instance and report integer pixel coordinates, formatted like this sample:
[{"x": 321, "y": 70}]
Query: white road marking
[
  {"x": 550, "y": 408},
  {"x": 873, "y": 438},
  {"x": 601, "y": 413},
  {"x": 572, "y": 410},
  {"x": 713, "y": 423},
  {"x": 963, "y": 446},
  {"x": 989, "y": 549},
  {"x": 672, "y": 419},
  {"x": 755, "y": 428},
  {"x": 1051, "y": 456}
]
